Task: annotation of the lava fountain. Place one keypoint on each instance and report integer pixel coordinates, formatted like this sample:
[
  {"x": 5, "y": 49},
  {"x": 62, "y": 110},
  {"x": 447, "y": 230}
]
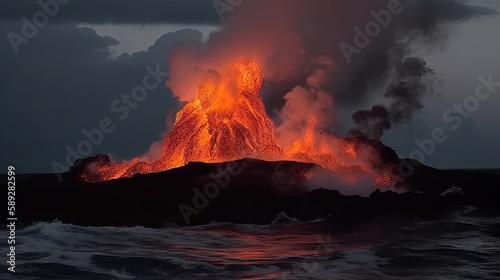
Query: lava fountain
[{"x": 227, "y": 121}]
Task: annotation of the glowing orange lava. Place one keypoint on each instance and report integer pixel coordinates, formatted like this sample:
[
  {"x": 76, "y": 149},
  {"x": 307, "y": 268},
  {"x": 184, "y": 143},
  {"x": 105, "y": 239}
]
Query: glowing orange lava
[{"x": 227, "y": 121}]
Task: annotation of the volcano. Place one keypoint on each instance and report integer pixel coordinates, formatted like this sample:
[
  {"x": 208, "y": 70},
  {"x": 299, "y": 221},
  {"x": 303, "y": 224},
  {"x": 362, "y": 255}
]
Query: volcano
[{"x": 227, "y": 121}]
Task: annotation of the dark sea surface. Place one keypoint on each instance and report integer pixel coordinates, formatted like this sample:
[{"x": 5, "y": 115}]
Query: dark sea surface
[{"x": 461, "y": 246}]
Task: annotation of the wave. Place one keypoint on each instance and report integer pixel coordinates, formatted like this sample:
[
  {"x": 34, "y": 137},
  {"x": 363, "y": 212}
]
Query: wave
[{"x": 461, "y": 246}]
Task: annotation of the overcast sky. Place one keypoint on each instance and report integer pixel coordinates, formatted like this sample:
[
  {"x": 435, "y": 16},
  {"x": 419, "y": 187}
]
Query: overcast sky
[{"x": 67, "y": 77}]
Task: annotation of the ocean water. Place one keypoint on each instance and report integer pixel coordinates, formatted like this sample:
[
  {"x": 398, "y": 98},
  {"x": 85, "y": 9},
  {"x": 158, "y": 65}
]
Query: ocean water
[{"x": 462, "y": 246}]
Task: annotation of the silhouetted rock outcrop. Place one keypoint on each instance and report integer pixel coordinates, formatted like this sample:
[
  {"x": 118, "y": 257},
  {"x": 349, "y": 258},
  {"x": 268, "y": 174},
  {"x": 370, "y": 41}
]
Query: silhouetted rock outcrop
[{"x": 244, "y": 191}]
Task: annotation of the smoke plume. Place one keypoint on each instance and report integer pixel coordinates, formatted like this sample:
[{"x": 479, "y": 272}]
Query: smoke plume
[
  {"x": 413, "y": 81},
  {"x": 308, "y": 76}
]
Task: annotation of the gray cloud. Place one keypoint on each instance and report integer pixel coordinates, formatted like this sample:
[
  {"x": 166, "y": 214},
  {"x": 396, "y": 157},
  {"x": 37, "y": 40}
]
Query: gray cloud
[
  {"x": 119, "y": 11},
  {"x": 63, "y": 81}
]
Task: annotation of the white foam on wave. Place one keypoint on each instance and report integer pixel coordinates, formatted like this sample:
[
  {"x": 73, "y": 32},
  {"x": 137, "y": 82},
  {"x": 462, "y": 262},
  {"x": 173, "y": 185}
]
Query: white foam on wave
[
  {"x": 283, "y": 219},
  {"x": 66, "y": 244}
]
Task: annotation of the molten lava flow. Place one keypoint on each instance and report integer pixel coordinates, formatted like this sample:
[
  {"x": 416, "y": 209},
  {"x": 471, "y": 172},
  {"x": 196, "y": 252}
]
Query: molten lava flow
[
  {"x": 227, "y": 121},
  {"x": 350, "y": 158}
]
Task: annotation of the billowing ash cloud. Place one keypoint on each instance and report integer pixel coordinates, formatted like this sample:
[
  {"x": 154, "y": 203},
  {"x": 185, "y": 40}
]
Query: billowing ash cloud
[
  {"x": 371, "y": 123},
  {"x": 288, "y": 37},
  {"x": 413, "y": 80}
]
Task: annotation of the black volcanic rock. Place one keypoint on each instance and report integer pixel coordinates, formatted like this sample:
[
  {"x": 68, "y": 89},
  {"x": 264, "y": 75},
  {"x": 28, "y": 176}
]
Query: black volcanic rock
[
  {"x": 250, "y": 191},
  {"x": 80, "y": 166}
]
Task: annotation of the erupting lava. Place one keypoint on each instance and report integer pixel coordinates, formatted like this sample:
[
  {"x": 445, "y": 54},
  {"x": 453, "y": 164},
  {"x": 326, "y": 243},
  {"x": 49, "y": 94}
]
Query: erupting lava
[{"x": 227, "y": 121}]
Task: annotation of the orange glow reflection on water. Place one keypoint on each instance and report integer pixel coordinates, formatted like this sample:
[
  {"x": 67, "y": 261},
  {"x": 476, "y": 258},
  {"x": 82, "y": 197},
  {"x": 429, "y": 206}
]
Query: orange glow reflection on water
[{"x": 276, "y": 252}]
